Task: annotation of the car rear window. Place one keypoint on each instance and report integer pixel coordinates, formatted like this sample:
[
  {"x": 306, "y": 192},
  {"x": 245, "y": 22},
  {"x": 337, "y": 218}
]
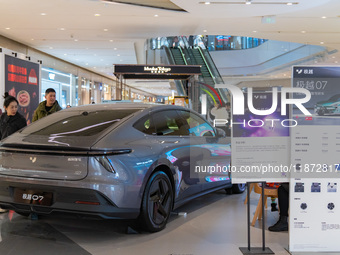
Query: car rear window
[{"x": 77, "y": 123}]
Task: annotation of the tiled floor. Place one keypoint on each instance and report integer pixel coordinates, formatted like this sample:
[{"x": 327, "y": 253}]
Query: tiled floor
[{"x": 214, "y": 224}]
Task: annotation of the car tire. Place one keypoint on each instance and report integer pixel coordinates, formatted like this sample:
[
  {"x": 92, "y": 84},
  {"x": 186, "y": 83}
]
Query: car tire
[
  {"x": 157, "y": 202},
  {"x": 321, "y": 112},
  {"x": 239, "y": 188}
]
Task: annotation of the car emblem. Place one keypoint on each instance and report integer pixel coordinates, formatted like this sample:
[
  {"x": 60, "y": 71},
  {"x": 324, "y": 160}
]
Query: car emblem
[{"x": 33, "y": 159}]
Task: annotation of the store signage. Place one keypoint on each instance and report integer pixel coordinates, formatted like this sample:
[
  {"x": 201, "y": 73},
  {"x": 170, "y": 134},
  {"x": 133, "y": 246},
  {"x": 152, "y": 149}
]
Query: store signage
[
  {"x": 159, "y": 69},
  {"x": 22, "y": 82},
  {"x": 17, "y": 73},
  {"x": 51, "y": 76},
  {"x": 238, "y": 100},
  {"x": 32, "y": 78}
]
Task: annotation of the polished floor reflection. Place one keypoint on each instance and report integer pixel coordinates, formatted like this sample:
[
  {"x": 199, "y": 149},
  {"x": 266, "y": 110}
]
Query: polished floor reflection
[{"x": 214, "y": 224}]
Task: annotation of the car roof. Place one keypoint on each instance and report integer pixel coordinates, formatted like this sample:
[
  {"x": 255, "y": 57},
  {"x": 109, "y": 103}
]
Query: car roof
[{"x": 116, "y": 106}]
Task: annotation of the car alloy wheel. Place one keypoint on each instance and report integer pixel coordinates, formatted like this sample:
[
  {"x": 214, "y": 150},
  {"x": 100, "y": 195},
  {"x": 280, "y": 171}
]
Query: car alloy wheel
[
  {"x": 239, "y": 188},
  {"x": 157, "y": 202}
]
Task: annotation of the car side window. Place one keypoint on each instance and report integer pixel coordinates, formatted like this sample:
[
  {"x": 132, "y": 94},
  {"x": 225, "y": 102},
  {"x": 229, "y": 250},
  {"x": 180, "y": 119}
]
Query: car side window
[
  {"x": 197, "y": 126},
  {"x": 169, "y": 123},
  {"x": 145, "y": 125}
]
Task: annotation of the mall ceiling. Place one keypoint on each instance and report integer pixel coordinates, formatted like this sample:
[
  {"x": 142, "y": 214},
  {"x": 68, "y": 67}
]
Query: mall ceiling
[{"x": 97, "y": 34}]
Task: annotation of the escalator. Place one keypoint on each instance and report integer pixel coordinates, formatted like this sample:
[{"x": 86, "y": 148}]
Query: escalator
[
  {"x": 197, "y": 56},
  {"x": 186, "y": 55},
  {"x": 206, "y": 74},
  {"x": 178, "y": 56}
]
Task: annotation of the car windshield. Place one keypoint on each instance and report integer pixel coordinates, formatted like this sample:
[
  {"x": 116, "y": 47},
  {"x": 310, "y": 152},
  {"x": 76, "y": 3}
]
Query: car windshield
[{"x": 77, "y": 123}]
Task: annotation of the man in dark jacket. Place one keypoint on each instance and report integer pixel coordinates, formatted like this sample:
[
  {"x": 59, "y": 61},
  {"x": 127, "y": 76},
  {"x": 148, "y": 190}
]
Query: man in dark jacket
[{"x": 47, "y": 107}]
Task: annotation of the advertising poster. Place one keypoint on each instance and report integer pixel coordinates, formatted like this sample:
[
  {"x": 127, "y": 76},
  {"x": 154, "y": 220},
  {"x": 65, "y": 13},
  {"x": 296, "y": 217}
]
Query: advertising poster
[
  {"x": 261, "y": 142},
  {"x": 314, "y": 214},
  {"x": 22, "y": 81}
]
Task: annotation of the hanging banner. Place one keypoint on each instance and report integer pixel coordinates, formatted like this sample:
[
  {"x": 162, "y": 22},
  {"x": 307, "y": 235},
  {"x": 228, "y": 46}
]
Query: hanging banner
[{"x": 22, "y": 81}]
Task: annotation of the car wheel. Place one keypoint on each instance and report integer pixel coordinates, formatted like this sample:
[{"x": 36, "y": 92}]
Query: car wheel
[
  {"x": 321, "y": 112},
  {"x": 239, "y": 188},
  {"x": 157, "y": 202}
]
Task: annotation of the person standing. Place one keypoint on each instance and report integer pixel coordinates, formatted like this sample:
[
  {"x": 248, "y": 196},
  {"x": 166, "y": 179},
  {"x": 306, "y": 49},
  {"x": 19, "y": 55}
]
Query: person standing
[
  {"x": 10, "y": 121},
  {"x": 283, "y": 198},
  {"x": 228, "y": 109},
  {"x": 47, "y": 107},
  {"x": 221, "y": 115}
]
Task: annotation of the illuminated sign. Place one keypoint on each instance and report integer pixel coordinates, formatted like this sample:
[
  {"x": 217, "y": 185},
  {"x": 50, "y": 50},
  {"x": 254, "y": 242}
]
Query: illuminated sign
[
  {"x": 159, "y": 69},
  {"x": 51, "y": 76}
]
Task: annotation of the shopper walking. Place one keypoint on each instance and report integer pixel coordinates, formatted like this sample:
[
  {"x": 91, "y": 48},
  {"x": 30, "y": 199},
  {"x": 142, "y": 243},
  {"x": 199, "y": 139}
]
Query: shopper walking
[
  {"x": 10, "y": 121},
  {"x": 47, "y": 107}
]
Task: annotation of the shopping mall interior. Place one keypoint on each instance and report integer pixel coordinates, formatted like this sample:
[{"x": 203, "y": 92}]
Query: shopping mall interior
[{"x": 244, "y": 43}]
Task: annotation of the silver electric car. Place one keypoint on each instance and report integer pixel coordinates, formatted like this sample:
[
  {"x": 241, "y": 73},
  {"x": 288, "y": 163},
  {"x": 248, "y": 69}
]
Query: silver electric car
[{"x": 114, "y": 161}]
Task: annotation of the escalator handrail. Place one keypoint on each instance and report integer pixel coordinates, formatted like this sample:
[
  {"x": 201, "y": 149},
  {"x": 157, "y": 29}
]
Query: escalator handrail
[
  {"x": 206, "y": 52},
  {"x": 205, "y": 62},
  {"x": 183, "y": 56},
  {"x": 169, "y": 55}
]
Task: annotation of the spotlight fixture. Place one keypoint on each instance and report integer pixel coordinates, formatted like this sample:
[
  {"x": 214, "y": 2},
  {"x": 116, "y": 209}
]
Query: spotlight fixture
[{"x": 248, "y": 1}]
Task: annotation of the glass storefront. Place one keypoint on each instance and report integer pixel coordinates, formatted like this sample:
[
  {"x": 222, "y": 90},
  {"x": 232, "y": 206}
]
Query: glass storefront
[
  {"x": 62, "y": 83},
  {"x": 68, "y": 92}
]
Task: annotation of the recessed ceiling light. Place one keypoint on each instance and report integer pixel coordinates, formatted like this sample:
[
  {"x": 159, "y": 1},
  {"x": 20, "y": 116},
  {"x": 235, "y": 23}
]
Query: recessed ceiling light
[
  {"x": 105, "y": 29},
  {"x": 76, "y": 40},
  {"x": 32, "y": 39},
  {"x": 118, "y": 55},
  {"x": 333, "y": 56},
  {"x": 61, "y": 29},
  {"x": 87, "y": 64},
  {"x": 207, "y": 3},
  {"x": 94, "y": 67},
  {"x": 156, "y": 15},
  {"x": 111, "y": 40},
  {"x": 65, "y": 54},
  {"x": 97, "y": 15},
  {"x": 114, "y": 48},
  {"x": 321, "y": 42},
  {"x": 303, "y": 32},
  {"x": 43, "y": 14},
  {"x": 289, "y": 3},
  {"x": 51, "y": 48},
  {"x": 254, "y": 31},
  {"x": 248, "y": 1},
  {"x": 335, "y": 62},
  {"x": 7, "y": 28},
  {"x": 323, "y": 17},
  {"x": 205, "y": 30}
]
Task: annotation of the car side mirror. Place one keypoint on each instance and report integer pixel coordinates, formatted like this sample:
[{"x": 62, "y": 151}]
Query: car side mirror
[{"x": 220, "y": 132}]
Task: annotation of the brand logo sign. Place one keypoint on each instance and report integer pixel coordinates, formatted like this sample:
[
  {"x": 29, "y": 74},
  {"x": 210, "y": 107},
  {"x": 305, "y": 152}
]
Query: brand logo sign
[
  {"x": 238, "y": 100},
  {"x": 159, "y": 69},
  {"x": 33, "y": 159}
]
